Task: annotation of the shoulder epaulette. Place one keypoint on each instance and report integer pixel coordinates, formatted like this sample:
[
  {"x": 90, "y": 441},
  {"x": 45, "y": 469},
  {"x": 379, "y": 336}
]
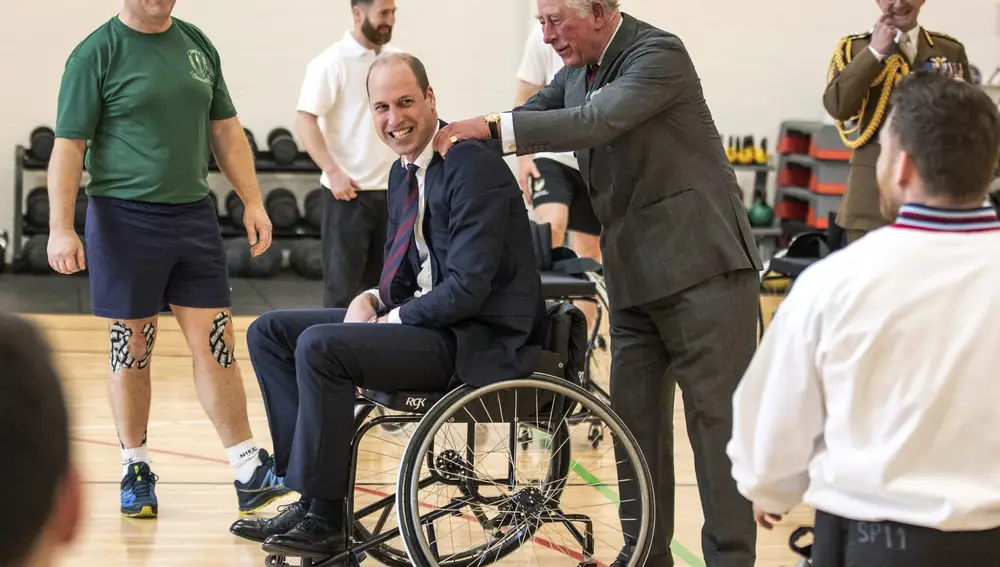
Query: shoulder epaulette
[
  {"x": 940, "y": 35},
  {"x": 844, "y": 49}
]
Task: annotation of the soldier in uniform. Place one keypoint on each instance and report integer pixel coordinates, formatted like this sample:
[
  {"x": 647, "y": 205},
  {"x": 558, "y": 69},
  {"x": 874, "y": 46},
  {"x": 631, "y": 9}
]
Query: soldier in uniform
[{"x": 864, "y": 70}]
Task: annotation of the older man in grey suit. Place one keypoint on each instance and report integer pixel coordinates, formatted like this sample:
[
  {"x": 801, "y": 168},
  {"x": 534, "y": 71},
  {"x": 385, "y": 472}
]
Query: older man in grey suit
[{"x": 680, "y": 261}]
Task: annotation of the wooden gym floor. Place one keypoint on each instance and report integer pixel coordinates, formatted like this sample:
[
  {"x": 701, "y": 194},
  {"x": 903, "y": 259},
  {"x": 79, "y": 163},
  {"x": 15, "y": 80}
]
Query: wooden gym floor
[{"x": 196, "y": 495}]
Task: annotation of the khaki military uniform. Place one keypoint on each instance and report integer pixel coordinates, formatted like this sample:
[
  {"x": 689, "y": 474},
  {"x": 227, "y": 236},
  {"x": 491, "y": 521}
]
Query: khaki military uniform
[{"x": 857, "y": 97}]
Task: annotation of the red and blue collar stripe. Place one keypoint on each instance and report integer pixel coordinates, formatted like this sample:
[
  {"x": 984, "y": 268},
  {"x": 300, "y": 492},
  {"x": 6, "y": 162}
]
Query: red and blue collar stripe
[{"x": 937, "y": 219}]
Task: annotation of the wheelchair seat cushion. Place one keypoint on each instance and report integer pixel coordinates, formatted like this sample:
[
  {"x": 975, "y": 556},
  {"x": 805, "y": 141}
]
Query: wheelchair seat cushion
[
  {"x": 558, "y": 286},
  {"x": 792, "y": 267}
]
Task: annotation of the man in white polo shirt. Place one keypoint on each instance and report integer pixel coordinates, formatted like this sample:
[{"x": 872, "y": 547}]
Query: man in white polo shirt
[
  {"x": 873, "y": 395},
  {"x": 335, "y": 125}
]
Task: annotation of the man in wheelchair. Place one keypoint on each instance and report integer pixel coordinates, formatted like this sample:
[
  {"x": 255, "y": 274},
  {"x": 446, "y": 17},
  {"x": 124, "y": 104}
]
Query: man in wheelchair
[{"x": 459, "y": 297}]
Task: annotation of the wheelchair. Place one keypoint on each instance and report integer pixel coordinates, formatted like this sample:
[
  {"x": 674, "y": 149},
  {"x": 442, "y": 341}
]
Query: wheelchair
[
  {"x": 566, "y": 278},
  {"x": 465, "y": 469}
]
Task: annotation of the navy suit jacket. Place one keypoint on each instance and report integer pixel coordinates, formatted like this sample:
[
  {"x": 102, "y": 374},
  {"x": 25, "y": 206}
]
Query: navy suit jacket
[{"x": 486, "y": 286}]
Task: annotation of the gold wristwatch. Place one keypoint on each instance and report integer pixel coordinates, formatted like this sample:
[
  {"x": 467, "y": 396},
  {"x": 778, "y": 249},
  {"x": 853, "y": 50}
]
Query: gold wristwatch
[{"x": 493, "y": 121}]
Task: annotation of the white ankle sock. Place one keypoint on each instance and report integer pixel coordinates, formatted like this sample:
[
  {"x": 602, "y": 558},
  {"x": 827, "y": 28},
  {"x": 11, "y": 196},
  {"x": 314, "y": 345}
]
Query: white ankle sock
[
  {"x": 244, "y": 458},
  {"x": 130, "y": 456}
]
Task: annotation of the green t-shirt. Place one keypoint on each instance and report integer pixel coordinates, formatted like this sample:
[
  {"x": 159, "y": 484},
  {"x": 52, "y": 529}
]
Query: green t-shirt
[{"x": 145, "y": 103}]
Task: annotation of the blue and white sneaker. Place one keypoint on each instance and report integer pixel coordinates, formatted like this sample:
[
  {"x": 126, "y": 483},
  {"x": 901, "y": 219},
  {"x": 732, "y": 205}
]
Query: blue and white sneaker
[
  {"x": 138, "y": 497},
  {"x": 263, "y": 488}
]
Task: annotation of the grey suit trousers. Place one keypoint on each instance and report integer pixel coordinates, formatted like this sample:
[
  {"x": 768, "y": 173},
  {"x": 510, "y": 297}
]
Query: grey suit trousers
[{"x": 701, "y": 339}]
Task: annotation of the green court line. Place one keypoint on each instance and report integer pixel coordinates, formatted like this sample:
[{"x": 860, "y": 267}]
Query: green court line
[{"x": 676, "y": 547}]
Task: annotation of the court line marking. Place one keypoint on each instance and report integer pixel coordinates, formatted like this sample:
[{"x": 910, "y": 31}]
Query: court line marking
[
  {"x": 589, "y": 478},
  {"x": 676, "y": 547},
  {"x": 154, "y": 424},
  {"x": 539, "y": 540}
]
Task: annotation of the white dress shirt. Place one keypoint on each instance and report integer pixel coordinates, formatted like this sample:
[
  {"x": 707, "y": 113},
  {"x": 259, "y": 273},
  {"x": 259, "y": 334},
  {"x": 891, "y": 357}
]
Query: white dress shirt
[
  {"x": 874, "y": 392},
  {"x": 507, "y": 139},
  {"x": 424, "y": 278},
  {"x": 908, "y": 43}
]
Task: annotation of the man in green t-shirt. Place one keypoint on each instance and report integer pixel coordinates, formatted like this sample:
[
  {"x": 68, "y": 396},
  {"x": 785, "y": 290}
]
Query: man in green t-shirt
[{"x": 144, "y": 99}]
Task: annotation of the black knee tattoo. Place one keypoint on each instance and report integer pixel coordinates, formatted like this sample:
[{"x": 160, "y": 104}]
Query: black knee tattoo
[
  {"x": 217, "y": 341},
  {"x": 121, "y": 355}
]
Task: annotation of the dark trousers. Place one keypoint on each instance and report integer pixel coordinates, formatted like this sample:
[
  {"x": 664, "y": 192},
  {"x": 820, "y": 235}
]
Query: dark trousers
[
  {"x": 841, "y": 542},
  {"x": 353, "y": 234},
  {"x": 309, "y": 363},
  {"x": 703, "y": 340}
]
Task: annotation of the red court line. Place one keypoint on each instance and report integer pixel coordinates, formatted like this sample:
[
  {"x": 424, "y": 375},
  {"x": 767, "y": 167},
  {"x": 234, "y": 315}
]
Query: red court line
[{"x": 539, "y": 540}]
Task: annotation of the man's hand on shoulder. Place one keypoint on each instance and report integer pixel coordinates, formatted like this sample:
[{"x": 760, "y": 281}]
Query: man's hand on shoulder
[{"x": 471, "y": 129}]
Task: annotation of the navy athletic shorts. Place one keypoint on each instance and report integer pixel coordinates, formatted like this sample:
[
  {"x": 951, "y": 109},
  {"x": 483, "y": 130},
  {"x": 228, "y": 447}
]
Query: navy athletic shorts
[
  {"x": 562, "y": 184},
  {"x": 142, "y": 257}
]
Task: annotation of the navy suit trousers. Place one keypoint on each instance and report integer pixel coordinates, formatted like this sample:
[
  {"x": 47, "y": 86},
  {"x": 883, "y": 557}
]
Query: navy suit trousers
[{"x": 309, "y": 364}]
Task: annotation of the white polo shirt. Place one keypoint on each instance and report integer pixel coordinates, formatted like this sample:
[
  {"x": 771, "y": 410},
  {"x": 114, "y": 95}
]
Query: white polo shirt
[
  {"x": 334, "y": 90},
  {"x": 873, "y": 394},
  {"x": 539, "y": 64}
]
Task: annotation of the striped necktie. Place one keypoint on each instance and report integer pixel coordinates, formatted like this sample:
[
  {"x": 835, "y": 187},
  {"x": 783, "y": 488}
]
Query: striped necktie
[
  {"x": 591, "y": 74},
  {"x": 404, "y": 234}
]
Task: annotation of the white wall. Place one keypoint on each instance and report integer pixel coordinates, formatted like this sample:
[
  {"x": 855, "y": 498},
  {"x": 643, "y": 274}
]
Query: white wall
[
  {"x": 264, "y": 46},
  {"x": 756, "y": 70},
  {"x": 762, "y": 62}
]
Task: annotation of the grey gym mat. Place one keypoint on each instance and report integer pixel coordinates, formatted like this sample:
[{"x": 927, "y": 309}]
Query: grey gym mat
[
  {"x": 289, "y": 292},
  {"x": 58, "y": 294},
  {"x": 41, "y": 294}
]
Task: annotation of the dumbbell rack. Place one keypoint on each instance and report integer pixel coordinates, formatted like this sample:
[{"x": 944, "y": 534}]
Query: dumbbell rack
[{"x": 264, "y": 164}]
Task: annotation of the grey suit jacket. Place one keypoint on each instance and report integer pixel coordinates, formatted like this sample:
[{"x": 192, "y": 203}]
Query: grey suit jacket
[{"x": 660, "y": 182}]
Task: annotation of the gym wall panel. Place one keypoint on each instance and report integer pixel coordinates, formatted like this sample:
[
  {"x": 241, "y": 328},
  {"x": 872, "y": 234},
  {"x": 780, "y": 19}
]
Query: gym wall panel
[
  {"x": 265, "y": 46},
  {"x": 765, "y": 61},
  {"x": 761, "y": 62}
]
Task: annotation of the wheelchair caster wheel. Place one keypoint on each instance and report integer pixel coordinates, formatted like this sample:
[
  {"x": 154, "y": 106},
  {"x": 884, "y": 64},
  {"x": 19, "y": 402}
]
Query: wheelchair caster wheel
[
  {"x": 595, "y": 436},
  {"x": 275, "y": 561}
]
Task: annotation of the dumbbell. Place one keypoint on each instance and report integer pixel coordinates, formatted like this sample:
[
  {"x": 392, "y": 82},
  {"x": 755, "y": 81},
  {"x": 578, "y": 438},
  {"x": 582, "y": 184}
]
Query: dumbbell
[
  {"x": 42, "y": 140},
  {"x": 282, "y": 208},
  {"x": 307, "y": 259},
  {"x": 242, "y": 264},
  {"x": 80, "y": 211},
  {"x": 283, "y": 146},
  {"x": 253, "y": 142},
  {"x": 37, "y": 208},
  {"x": 35, "y": 255},
  {"x": 235, "y": 208},
  {"x": 314, "y": 208}
]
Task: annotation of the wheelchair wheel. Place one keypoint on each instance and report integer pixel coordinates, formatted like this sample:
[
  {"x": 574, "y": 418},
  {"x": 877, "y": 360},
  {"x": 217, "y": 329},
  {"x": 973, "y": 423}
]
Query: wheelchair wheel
[
  {"x": 382, "y": 436},
  {"x": 528, "y": 509}
]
